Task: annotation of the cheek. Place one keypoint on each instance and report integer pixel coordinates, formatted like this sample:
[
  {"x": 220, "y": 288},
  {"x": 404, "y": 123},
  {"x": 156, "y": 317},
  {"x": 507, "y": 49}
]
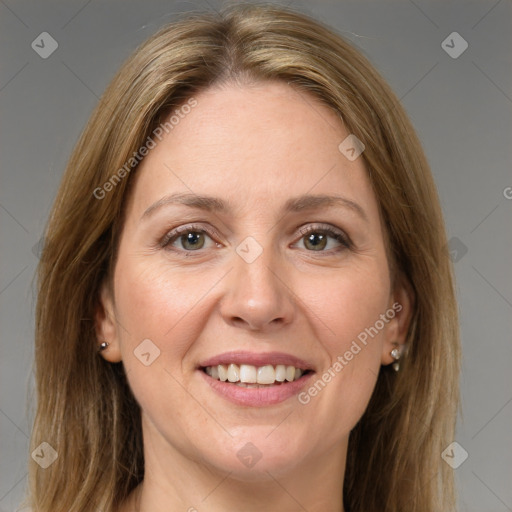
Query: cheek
[
  {"x": 353, "y": 302},
  {"x": 162, "y": 304},
  {"x": 154, "y": 299},
  {"x": 354, "y": 332}
]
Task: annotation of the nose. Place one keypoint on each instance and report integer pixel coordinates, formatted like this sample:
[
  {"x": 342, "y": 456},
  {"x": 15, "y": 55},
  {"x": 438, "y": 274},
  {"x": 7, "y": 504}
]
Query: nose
[{"x": 259, "y": 293}]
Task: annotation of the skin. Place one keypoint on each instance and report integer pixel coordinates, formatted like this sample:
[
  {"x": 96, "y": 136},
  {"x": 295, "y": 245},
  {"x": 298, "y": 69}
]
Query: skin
[{"x": 255, "y": 146}]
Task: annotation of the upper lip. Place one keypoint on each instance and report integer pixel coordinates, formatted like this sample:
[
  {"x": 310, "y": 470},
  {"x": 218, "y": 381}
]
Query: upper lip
[{"x": 257, "y": 359}]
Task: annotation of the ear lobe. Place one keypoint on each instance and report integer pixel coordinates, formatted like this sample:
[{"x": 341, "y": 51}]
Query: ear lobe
[{"x": 106, "y": 327}]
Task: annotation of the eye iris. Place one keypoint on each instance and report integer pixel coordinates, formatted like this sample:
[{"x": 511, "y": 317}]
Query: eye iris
[
  {"x": 192, "y": 237},
  {"x": 315, "y": 237}
]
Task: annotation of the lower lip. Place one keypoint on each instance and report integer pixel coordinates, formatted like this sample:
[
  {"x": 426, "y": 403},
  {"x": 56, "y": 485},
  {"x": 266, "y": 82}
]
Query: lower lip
[{"x": 257, "y": 397}]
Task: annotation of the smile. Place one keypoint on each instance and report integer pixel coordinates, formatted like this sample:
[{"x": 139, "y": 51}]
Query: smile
[{"x": 250, "y": 376}]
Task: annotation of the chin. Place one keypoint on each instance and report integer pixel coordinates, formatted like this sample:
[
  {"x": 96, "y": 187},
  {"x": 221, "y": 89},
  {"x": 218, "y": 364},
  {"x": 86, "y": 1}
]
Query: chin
[{"x": 252, "y": 456}]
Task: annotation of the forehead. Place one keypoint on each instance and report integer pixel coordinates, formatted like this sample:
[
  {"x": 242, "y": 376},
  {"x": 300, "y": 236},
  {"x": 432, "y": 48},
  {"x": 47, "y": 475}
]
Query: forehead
[{"x": 256, "y": 146}]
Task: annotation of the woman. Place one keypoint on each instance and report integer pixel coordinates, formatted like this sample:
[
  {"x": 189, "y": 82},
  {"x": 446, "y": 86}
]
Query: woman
[{"x": 245, "y": 297}]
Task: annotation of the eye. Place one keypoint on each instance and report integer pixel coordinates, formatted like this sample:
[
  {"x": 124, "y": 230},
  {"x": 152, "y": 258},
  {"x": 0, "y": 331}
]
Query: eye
[
  {"x": 192, "y": 238},
  {"x": 316, "y": 238}
]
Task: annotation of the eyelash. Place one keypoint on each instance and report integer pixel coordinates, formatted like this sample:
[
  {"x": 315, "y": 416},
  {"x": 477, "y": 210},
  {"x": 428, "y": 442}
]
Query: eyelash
[{"x": 173, "y": 235}]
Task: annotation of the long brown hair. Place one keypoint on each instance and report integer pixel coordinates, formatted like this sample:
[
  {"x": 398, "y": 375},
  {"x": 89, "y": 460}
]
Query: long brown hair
[{"x": 85, "y": 408}]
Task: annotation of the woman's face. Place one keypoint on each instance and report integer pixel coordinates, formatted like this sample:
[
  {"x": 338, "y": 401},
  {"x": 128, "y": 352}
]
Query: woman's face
[{"x": 252, "y": 282}]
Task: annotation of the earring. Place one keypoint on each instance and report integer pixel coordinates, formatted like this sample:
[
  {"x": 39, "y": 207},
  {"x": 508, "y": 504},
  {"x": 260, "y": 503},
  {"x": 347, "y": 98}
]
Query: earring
[
  {"x": 103, "y": 346},
  {"x": 395, "y": 354}
]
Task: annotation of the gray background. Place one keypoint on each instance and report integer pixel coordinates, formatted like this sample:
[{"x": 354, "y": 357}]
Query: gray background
[{"x": 461, "y": 108}]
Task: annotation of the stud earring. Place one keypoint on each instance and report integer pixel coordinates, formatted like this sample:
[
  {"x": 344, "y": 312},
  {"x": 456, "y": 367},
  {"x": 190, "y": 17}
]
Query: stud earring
[
  {"x": 395, "y": 354},
  {"x": 103, "y": 346}
]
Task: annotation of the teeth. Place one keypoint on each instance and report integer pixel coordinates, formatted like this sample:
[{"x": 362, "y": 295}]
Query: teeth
[
  {"x": 266, "y": 374},
  {"x": 222, "y": 371},
  {"x": 233, "y": 373},
  {"x": 280, "y": 373},
  {"x": 247, "y": 375}
]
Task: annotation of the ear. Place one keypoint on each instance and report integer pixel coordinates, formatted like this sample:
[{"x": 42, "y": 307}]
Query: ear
[
  {"x": 106, "y": 326},
  {"x": 400, "y": 308}
]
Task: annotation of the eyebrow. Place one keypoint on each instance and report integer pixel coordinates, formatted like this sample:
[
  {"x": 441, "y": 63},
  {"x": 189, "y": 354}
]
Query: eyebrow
[{"x": 294, "y": 204}]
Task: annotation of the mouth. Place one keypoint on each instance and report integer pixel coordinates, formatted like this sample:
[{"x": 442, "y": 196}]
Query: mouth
[
  {"x": 256, "y": 380},
  {"x": 255, "y": 377}
]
